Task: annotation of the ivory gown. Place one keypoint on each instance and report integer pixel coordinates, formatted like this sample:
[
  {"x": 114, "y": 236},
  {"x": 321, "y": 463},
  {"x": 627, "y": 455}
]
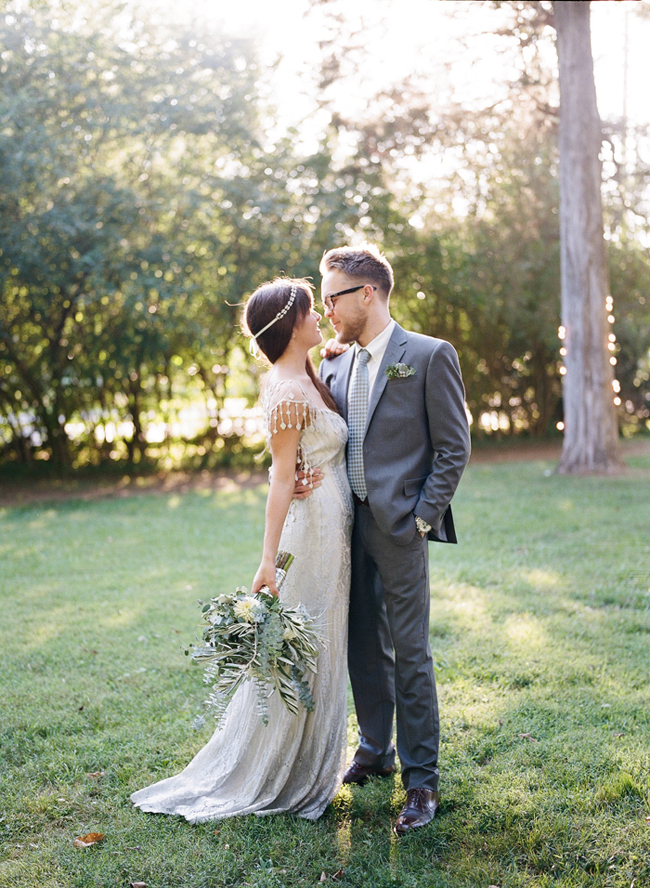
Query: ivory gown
[{"x": 295, "y": 764}]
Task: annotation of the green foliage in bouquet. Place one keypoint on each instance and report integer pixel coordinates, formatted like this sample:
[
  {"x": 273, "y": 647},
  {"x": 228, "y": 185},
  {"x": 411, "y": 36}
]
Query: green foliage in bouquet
[{"x": 257, "y": 638}]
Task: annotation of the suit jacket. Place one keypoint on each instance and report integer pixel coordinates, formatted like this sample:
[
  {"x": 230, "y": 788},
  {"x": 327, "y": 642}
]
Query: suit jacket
[{"x": 417, "y": 441}]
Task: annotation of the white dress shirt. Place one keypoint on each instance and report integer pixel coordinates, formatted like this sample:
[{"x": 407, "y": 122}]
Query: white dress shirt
[{"x": 377, "y": 349}]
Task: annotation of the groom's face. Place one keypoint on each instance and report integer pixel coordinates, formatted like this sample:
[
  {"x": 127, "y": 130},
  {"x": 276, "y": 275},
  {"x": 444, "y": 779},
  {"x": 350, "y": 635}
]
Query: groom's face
[{"x": 349, "y": 313}]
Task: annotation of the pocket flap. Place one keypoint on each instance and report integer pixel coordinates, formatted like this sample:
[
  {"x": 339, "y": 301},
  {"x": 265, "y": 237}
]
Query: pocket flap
[{"x": 414, "y": 486}]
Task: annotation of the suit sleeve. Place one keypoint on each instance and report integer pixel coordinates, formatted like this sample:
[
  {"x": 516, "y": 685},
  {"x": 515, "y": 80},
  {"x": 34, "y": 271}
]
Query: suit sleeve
[{"x": 449, "y": 431}]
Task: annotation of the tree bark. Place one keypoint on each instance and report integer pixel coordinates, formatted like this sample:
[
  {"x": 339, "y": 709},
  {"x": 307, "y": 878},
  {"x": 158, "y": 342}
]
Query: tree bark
[
  {"x": 590, "y": 426},
  {"x": 138, "y": 442}
]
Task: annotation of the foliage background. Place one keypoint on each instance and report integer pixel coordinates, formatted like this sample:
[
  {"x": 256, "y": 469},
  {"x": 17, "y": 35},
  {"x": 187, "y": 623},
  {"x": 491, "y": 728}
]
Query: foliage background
[{"x": 145, "y": 191}]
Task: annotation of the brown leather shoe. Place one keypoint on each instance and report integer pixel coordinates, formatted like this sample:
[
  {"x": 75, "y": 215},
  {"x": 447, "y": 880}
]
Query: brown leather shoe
[
  {"x": 358, "y": 773},
  {"x": 420, "y": 809}
]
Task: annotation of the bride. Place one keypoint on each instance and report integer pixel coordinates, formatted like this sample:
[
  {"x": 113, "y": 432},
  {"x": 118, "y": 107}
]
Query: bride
[{"x": 296, "y": 763}]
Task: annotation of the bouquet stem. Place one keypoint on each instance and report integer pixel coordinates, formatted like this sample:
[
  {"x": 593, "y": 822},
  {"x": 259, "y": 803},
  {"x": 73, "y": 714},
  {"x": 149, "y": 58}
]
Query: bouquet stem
[{"x": 283, "y": 561}]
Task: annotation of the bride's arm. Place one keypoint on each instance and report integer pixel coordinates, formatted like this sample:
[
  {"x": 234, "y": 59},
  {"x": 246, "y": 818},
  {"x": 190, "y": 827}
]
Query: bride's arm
[{"x": 284, "y": 452}]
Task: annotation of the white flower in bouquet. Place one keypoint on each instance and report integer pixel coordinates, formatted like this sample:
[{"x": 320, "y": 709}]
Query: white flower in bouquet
[
  {"x": 248, "y": 609},
  {"x": 257, "y": 638}
]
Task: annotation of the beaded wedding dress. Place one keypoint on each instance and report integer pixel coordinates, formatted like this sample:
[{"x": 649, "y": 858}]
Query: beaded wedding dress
[{"x": 295, "y": 763}]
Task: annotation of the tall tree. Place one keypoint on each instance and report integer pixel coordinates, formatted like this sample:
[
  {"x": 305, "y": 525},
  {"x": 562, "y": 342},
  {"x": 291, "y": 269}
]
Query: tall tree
[{"x": 591, "y": 434}]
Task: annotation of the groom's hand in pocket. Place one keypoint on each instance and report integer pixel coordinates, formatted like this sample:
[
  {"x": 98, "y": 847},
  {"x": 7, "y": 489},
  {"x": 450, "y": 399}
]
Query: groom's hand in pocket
[{"x": 306, "y": 482}]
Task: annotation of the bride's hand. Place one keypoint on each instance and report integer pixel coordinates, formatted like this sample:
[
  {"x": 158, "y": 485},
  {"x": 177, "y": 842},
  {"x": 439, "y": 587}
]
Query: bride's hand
[
  {"x": 333, "y": 348},
  {"x": 265, "y": 576}
]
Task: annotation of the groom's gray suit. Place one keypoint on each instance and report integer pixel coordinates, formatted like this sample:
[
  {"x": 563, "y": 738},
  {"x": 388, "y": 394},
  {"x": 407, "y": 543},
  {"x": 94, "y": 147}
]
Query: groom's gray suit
[{"x": 415, "y": 448}]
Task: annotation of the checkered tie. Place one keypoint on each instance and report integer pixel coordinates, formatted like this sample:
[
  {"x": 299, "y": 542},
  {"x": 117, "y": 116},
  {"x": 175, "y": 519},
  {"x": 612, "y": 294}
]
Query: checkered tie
[{"x": 357, "y": 415}]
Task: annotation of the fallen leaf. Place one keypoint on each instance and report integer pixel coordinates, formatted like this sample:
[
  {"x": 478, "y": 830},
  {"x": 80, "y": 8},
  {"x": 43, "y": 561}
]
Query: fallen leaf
[
  {"x": 323, "y": 878},
  {"x": 94, "y": 774},
  {"x": 526, "y": 736},
  {"x": 337, "y": 875},
  {"x": 88, "y": 840},
  {"x": 138, "y": 884},
  {"x": 620, "y": 734}
]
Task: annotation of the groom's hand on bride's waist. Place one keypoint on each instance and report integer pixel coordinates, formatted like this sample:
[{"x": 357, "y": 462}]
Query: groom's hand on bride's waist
[{"x": 306, "y": 482}]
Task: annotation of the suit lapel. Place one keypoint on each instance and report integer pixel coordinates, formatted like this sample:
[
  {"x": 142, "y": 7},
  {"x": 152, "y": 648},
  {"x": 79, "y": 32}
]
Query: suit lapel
[
  {"x": 342, "y": 381},
  {"x": 394, "y": 351}
]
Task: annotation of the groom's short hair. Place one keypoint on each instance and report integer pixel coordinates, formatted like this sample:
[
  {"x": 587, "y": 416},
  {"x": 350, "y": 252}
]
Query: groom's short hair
[{"x": 363, "y": 261}]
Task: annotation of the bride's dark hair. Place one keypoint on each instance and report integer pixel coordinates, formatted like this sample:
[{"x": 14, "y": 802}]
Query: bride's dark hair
[{"x": 263, "y": 306}]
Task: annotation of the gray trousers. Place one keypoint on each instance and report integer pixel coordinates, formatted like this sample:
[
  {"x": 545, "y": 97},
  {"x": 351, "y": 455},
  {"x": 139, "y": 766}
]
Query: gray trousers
[{"x": 389, "y": 655}]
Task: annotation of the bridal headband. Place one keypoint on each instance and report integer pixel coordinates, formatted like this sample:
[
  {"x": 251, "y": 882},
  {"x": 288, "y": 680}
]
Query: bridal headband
[{"x": 253, "y": 348}]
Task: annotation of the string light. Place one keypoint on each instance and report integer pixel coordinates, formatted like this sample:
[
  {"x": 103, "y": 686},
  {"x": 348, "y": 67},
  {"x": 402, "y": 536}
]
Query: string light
[
  {"x": 611, "y": 344},
  {"x": 561, "y": 332}
]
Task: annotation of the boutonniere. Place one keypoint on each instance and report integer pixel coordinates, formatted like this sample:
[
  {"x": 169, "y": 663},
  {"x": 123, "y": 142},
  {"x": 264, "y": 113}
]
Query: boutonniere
[{"x": 399, "y": 371}]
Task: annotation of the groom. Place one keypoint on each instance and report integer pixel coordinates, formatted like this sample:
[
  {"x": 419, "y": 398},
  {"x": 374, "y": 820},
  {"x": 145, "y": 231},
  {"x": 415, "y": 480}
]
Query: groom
[{"x": 403, "y": 399}]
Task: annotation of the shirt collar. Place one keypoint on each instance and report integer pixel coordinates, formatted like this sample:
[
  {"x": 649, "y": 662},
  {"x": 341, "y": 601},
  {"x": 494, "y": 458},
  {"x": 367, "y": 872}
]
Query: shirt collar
[{"x": 378, "y": 344}]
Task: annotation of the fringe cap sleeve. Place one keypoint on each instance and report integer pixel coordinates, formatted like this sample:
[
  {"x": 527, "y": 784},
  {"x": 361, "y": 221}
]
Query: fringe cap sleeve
[{"x": 286, "y": 407}]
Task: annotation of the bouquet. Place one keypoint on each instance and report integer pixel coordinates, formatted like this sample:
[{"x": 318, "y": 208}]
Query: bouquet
[{"x": 257, "y": 638}]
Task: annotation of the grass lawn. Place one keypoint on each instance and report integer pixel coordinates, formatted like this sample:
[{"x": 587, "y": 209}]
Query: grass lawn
[{"x": 540, "y": 629}]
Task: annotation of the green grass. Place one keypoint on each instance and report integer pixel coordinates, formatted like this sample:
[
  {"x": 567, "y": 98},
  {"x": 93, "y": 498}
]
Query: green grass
[{"x": 540, "y": 629}]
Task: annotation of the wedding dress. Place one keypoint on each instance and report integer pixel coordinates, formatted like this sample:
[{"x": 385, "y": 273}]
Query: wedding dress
[{"x": 295, "y": 763}]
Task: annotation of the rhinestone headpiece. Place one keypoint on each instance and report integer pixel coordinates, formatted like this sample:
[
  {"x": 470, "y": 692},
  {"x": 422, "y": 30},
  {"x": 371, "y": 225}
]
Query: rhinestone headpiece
[{"x": 253, "y": 347}]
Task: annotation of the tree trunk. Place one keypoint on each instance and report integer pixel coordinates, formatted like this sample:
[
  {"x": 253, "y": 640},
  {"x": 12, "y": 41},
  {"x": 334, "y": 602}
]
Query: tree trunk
[
  {"x": 138, "y": 441},
  {"x": 590, "y": 433}
]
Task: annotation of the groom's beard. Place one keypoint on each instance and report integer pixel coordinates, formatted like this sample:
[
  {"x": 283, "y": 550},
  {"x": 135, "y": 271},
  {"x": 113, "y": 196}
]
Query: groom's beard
[{"x": 351, "y": 329}]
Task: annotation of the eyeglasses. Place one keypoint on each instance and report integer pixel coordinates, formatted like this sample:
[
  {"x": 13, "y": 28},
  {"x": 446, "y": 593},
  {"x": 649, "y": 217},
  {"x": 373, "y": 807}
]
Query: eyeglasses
[{"x": 328, "y": 301}]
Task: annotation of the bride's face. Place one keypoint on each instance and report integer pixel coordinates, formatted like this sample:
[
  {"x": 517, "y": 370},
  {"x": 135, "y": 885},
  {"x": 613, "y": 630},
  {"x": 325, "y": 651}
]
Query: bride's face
[{"x": 307, "y": 332}]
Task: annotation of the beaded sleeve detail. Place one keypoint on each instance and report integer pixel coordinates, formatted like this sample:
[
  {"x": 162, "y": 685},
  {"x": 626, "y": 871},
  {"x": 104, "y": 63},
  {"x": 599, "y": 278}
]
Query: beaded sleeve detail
[
  {"x": 288, "y": 415},
  {"x": 287, "y": 406}
]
